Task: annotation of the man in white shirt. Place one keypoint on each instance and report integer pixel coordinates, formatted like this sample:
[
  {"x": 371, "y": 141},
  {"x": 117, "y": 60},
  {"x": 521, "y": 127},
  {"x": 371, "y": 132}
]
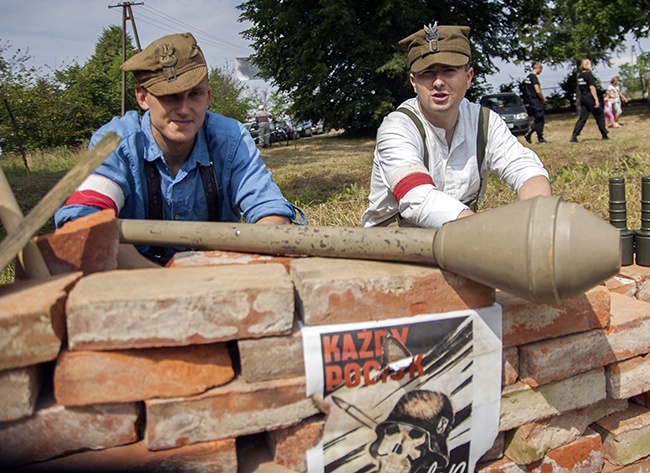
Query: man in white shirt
[{"x": 404, "y": 189}]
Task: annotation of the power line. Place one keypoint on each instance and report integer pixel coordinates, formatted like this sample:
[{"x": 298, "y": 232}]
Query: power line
[{"x": 172, "y": 25}]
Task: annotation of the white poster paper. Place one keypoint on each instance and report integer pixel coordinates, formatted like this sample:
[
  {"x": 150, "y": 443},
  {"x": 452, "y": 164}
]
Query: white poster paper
[{"x": 414, "y": 394}]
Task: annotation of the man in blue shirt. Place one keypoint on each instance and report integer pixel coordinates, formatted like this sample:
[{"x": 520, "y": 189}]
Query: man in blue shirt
[{"x": 177, "y": 161}]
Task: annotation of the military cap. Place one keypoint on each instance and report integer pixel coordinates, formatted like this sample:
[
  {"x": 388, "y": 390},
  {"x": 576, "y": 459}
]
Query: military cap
[
  {"x": 433, "y": 44},
  {"x": 170, "y": 65}
]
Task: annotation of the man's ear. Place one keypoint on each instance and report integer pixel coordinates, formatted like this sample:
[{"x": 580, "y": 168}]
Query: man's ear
[{"x": 141, "y": 97}]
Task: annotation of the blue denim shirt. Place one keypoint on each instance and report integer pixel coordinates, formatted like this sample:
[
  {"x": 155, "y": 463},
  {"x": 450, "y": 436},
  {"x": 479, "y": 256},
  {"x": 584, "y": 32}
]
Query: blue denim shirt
[{"x": 246, "y": 187}]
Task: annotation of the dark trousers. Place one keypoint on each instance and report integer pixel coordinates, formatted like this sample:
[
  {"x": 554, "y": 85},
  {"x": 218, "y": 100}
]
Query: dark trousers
[
  {"x": 536, "y": 110},
  {"x": 586, "y": 108}
]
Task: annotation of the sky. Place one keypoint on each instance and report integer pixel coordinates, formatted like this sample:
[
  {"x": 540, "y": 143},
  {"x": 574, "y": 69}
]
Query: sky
[{"x": 58, "y": 33}]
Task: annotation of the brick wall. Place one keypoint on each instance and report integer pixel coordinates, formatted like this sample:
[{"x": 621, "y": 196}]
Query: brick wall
[{"x": 198, "y": 367}]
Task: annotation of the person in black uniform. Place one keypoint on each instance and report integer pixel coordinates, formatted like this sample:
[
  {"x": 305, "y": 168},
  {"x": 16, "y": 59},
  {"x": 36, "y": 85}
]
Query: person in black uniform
[
  {"x": 535, "y": 102},
  {"x": 589, "y": 102}
]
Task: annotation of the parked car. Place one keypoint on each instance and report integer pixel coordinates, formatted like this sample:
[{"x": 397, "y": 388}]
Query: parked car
[
  {"x": 511, "y": 108},
  {"x": 304, "y": 128},
  {"x": 318, "y": 128},
  {"x": 253, "y": 128}
]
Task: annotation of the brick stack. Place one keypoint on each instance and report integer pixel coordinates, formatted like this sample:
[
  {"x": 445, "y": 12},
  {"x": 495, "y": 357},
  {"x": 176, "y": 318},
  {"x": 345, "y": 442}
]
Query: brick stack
[{"x": 198, "y": 367}]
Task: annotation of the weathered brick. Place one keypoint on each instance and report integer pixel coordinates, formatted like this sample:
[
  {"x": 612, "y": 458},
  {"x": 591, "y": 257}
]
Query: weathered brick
[
  {"x": 19, "y": 391},
  {"x": 641, "y": 276},
  {"x": 621, "y": 285},
  {"x": 88, "y": 244},
  {"x": 640, "y": 466},
  {"x": 510, "y": 362},
  {"x": 268, "y": 358},
  {"x": 525, "y": 322},
  {"x": 193, "y": 259},
  {"x": 522, "y": 404},
  {"x": 56, "y": 430},
  {"x": 341, "y": 290},
  {"x": 584, "y": 455},
  {"x": 215, "y": 457},
  {"x": 97, "y": 377},
  {"x": 628, "y": 378},
  {"x": 531, "y": 442},
  {"x": 642, "y": 399},
  {"x": 32, "y": 320},
  {"x": 559, "y": 358},
  {"x": 289, "y": 446},
  {"x": 496, "y": 451},
  {"x": 235, "y": 409},
  {"x": 626, "y": 434},
  {"x": 629, "y": 331},
  {"x": 179, "y": 306}
]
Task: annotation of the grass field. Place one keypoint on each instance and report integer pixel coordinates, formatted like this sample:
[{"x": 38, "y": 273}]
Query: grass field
[{"x": 329, "y": 175}]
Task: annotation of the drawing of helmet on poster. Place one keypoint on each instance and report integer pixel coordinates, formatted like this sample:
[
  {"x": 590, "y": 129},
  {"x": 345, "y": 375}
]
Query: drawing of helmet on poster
[{"x": 415, "y": 394}]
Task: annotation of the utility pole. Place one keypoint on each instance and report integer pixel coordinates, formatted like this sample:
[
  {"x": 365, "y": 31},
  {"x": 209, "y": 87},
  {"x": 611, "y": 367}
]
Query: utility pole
[{"x": 127, "y": 14}]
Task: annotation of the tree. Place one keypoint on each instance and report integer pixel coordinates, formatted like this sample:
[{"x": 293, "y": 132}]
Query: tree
[
  {"x": 340, "y": 60},
  {"x": 569, "y": 30},
  {"x": 631, "y": 75},
  {"x": 228, "y": 95}
]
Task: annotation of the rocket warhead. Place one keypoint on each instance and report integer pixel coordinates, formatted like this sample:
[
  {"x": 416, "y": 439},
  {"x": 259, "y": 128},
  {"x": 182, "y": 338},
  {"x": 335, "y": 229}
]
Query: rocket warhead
[{"x": 541, "y": 249}]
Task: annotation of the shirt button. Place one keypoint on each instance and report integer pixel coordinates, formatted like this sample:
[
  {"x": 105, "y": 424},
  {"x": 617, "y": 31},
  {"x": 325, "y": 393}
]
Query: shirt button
[{"x": 177, "y": 217}]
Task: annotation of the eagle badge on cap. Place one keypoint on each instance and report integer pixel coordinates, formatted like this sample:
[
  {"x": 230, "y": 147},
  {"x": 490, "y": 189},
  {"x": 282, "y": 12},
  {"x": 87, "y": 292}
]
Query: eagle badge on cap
[
  {"x": 431, "y": 34},
  {"x": 168, "y": 60}
]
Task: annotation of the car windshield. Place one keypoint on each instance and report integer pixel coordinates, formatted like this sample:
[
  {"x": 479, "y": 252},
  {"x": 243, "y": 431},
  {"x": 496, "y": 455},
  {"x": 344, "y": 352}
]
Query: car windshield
[{"x": 499, "y": 101}]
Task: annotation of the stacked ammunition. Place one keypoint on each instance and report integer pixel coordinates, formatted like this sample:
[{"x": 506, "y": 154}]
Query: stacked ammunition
[{"x": 633, "y": 243}]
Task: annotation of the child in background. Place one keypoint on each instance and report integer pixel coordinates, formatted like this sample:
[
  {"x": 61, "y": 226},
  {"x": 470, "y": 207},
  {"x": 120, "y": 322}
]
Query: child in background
[{"x": 608, "y": 103}]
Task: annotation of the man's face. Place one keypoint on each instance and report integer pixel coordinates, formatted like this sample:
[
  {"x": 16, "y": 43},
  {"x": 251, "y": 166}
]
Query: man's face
[
  {"x": 177, "y": 118},
  {"x": 440, "y": 89}
]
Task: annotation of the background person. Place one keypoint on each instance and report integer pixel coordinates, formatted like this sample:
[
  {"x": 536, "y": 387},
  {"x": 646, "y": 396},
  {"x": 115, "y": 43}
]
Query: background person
[
  {"x": 589, "y": 103},
  {"x": 403, "y": 188},
  {"x": 617, "y": 98},
  {"x": 536, "y": 101},
  {"x": 263, "y": 119},
  {"x": 177, "y": 161}
]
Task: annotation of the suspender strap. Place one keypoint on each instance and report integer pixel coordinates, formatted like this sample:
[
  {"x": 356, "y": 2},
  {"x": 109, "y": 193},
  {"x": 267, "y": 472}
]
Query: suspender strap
[
  {"x": 420, "y": 127},
  {"x": 155, "y": 204},
  {"x": 481, "y": 141},
  {"x": 211, "y": 191}
]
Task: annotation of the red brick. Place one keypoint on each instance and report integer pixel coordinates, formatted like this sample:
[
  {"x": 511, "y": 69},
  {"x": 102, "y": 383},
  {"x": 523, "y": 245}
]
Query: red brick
[
  {"x": 641, "y": 276},
  {"x": 56, "y": 430},
  {"x": 626, "y": 434},
  {"x": 94, "y": 377},
  {"x": 510, "y": 362},
  {"x": 88, "y": 244},
  {"x": 628, "y": 378},
  {"x": 289, "y": 446},
  {"x": 193, "y": 259},
  {"x": 341, "y": 290},
  {"x": 214, "y": 457},
  {"x": 19, "y": 391},
  {"x": 32, "y": 320},
  {"x": 629, "y": 331},
  {"x": 279, "y": 357},
  {"x": 525, "y": 322},
  {"x": 144, "y": 308},
  {"x": 235, "y": 409},
  {"x": 642, "y": 399},
  {"x": 560, "y": 358},
  {"x": 521, "y": 404},
  {"x": 584, "y": 455},
  {"x": 621, "y": 285},
  {"x": 641, "y": 466}
]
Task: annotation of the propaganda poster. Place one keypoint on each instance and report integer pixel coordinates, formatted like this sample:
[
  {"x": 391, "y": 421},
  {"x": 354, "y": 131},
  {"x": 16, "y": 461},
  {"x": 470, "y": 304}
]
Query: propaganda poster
[{"x": 415, "y": 394}]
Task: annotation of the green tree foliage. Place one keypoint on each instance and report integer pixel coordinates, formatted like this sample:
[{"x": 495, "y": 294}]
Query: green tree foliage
[
  {"x": 228, "y": 94},
  {"x": 340, "y": 59},
  {"x": 631, "y": 75},
  {"x": 65, "y": 107},
  {"x": 569, "y": 30}
]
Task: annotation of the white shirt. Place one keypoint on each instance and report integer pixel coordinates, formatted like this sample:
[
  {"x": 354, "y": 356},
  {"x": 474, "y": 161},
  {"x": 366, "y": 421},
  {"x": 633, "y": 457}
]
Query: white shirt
[{"x": 399, "y": 152}]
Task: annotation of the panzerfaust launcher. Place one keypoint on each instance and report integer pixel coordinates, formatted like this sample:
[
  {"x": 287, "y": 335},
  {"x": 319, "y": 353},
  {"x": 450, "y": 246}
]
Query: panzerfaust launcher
[{"x": 541, "y": 249}]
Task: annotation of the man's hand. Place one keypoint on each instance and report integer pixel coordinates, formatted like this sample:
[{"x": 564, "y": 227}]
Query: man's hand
[
  {"x": 533, "y": 187},
  {"x": 274, "y": 220}
]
